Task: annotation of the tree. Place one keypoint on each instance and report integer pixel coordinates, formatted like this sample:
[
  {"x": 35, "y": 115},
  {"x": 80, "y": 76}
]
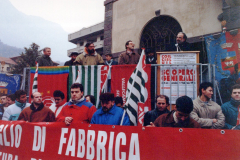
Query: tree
[{"x": 27, "y": 59}]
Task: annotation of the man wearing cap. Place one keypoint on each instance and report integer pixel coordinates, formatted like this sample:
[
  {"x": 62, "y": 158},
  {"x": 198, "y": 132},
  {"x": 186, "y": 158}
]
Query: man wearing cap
[
  {"x": 109, "y": 61},
  {"x": 89, "y": 56},
  {"x": 178, "y": 118},
  {"x": 109, "y": 114},
  {"x": 73, "y": 56}
]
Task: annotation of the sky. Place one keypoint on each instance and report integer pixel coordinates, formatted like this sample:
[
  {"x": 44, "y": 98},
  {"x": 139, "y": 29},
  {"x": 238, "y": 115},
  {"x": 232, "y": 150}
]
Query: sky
[{"x": 72, "y": 15}]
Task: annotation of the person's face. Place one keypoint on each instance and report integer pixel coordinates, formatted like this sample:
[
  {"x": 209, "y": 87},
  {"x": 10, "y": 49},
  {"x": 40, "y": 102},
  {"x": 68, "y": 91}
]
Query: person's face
[
  {"x": 73, "y": 57},
  {"x": 9, "y": 101},
  {"x": 4, "y": 99},
  {"x": 180, "y": 38},
  {"x": 181, "y": 116},
  {"x": 91, "y": 48},
  {"x": 47, "y": 52},
  {"x": 208, "y": 92},
  {"x": 76, "y": 94},
  {"x": 107, "y": 105},
  {"x": 37, "y": 98},
  {"x": 161, "y": 104},
  {"x": 58, "y": 100},
  {"x": 108, "y": 58},
  {"x": 150, "y": 54},
  {"x": 236, "y": 94},
  {"x": 130, "y": 45},
  {"x": 22, "y": 99}
]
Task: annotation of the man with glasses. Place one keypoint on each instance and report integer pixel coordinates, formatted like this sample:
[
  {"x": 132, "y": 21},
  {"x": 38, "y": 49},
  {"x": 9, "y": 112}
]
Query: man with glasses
[
  {"x": 162, "y": 102},
  {"x": 89, "y": 56},
  {"x": 129, "y": 56}
]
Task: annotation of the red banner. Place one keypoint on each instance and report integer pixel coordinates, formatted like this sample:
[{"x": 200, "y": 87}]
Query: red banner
[
  {"x": 50, "y": 79},
  {"x": 120, "y": 75},
  {"x": 34, "y": 141}
]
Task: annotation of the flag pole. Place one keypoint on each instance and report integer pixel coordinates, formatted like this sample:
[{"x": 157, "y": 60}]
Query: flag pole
[{"x": 143, "y": 49}]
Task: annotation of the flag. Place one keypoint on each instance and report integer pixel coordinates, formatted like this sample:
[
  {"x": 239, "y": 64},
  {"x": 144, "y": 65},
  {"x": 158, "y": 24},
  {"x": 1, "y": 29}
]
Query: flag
[
  {"x": 50, "y": 79},
  {"x": 35, "y": 82},
  {"x": 137, "y": 93},
  {"x": 92, "y": 77}
]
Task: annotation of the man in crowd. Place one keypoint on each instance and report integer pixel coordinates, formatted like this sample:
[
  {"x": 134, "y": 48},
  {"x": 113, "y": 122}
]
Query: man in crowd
[
  {"x": 13, "y": 111},
  {"x": 45, "y": 59},
  {"x": 119, "y": 102},
  {"x": 37, "y": 112},
  {"x": 231, "y": 108},
  {"x": 129, "y": 56},
  {"x": 4, "y": 104},
  {"x": 91, "y": 98},
  {"x": 109, "y": 61},
  {"x": 151, "y": 59},
  {"x": 109, "y": 114},
  {"x": 206, "y": 112},
  {"x": 182, "y": 43},
  {"x": 89, "y": 56},
  {"x": 59, "y": 102},
  {"x": 178, "y": 118},
  {"x": 162, "y": 102},
  {"x": 77, "y": 109},
  {"x": 11, "y": 99},
  {"x": 73, "y": 56}
]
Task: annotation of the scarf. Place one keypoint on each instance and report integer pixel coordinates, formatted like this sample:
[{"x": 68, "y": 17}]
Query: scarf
[
  {"x": 234, "y": 102},
  {"x": 21, "y": 105},
  {"x": 77, "y": 101}
]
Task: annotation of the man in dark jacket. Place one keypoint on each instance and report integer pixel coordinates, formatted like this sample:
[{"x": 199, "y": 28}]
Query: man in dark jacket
[
  {"x": 230, "y": 109},
  {"x": 182, "y": 44},
  {"x": 45, "y": 59},
  {"x": 162, "y": 102},
  {"x": 180, "y": 117},
  {"x": 109, "y": 61},
  {"x": 73, "y": 56},
  {"x": 37, "y": 112}
]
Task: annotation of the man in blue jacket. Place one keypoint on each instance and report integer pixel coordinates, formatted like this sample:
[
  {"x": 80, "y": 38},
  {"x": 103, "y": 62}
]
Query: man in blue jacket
[
  {"x": 231, "y": 108},
  {"x": 109, "y": 114}
]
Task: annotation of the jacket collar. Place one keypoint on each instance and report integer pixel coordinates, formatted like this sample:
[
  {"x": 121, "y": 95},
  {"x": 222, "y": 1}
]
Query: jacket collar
[
  {"x": 169, "y": 118},
  {"x": 111, "y": 111},
  {"x": 38, "y": 109},
  {"x": 201, "y": 103}
]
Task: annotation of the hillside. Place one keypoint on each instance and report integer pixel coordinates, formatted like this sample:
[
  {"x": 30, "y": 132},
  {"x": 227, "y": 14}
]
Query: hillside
[{"x": 9, "y": 51}]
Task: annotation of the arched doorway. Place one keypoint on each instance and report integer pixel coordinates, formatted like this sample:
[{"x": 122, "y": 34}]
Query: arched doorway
[{"x": 160, "y": 34}]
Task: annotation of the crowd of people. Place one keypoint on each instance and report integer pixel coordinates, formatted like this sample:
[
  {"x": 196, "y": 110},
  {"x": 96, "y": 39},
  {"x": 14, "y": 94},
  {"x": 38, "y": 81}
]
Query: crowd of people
[
  {"x": 129, "y": 56},
  {"x": 199, "y": 113}
]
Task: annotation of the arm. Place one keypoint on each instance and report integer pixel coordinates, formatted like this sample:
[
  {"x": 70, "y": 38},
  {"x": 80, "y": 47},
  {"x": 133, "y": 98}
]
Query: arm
[
  {"x": 93, "y": 120},
  {"x": 121, "y": 60},
  {"x": 226, "y": 114},
  {"x": 204, "y": 122},
  {"x": 51, "y": 117},
  {"x": 100, "y": 60},
  {"x": 21, "y": 117},
  {"x": 147, "y": 119},
  {"x": 91, "y": 111},
  {"x": 220, "y": 120},
  {"x": 78, "y": 60},
  {"x": 6, "y": 115}
]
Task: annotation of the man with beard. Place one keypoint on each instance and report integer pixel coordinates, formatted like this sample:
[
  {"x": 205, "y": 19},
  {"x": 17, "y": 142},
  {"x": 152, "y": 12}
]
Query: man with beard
[
  {"x": 206, "y": 112},
  {"x": 77, "y": 110},
  {"x": 231, "y": 108},
  {"x": 73, "y": 56},
  {"x": 37, "y": 112},
  {"x": 178, "y": 118},
  {"x": 182, "y": 44},
  {"x": 89, "y": 56},
  {"x": 162, "y": 102},
  {"x": 13, "y": 111},
  {"x": 109, "y": 114},
  {"x": 129, "y": 56}
]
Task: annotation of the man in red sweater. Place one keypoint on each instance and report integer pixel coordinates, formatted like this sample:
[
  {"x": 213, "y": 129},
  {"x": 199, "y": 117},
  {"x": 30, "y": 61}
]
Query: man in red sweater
[{"x": 77, "y": 109}]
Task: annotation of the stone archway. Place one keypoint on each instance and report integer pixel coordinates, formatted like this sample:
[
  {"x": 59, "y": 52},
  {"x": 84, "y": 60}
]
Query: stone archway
[{"x": 160, "y": 34}]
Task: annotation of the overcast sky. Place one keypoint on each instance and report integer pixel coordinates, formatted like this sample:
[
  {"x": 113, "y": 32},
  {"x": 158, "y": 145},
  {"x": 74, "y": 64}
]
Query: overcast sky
[{"x": 72, "y": 15}]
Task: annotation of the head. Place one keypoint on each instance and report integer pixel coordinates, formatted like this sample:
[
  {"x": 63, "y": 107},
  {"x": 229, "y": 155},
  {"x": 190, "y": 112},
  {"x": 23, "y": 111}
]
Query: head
[
  {"x": 11, "y": 99},
  {"x": 119, "y": 102},
  {"x": 206, "y": 90},
  {"x": 162, "y": 102},
  {"x": 90, "y": 48},
  {"x": 58, "y": 97},
  {"x": 76, "y": 91},
  {"x": 36, "y": 98},
  {"x": 91, "y": 99},
  {"x": 4, "y": 99},
  {"x": 181, "y": 37},
  {"x": 184, "y": 107},
  {"x": 129, "y": 45},
  {"x": 47, "y": 51},
  {"x": 74, "y": 55},
  {"x": 21, "y": 96},
  {"x": 107, "y": 101},
  {"x": 108, "y": 56},
  {"x": 150, "y": 52},
  {"x": 236, "y": 92}
]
